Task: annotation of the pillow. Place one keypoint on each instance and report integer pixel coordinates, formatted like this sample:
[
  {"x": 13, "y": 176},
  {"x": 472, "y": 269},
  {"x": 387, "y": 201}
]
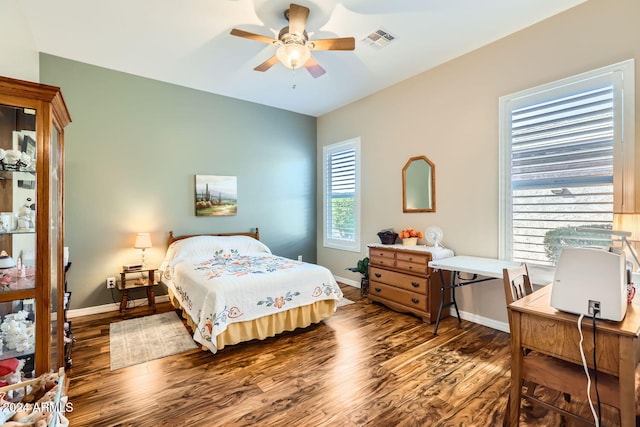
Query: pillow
[{"x": 201, "y": 248}]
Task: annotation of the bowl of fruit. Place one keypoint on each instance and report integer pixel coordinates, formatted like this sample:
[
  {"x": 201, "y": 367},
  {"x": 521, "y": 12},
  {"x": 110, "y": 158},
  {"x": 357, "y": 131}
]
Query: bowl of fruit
[{"x": 410, "y": 236}]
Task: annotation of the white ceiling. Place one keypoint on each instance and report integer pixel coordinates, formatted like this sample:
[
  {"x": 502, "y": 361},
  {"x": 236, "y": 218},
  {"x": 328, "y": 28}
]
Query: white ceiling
[{"x": 187, "y": 42}]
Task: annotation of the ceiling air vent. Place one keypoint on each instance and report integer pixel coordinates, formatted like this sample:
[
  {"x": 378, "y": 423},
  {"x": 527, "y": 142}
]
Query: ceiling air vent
[{"x": 379, "y": 38}]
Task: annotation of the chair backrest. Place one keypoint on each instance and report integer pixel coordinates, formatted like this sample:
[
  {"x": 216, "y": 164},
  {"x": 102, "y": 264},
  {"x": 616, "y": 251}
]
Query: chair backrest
[{"x": 516, "y": 283}]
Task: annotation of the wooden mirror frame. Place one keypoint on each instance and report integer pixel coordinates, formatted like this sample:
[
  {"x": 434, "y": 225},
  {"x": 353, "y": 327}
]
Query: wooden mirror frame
[{"x": 431, "y": 184}]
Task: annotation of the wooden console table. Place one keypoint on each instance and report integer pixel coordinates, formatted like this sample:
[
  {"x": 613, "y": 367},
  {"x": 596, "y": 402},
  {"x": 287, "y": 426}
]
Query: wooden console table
[{"x": 538, "y": 326}]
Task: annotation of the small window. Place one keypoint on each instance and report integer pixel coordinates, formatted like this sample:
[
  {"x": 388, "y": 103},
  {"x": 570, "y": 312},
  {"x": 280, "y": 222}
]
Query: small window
[
  {"x": 563, "y": 149},
  {"x": 341, "y": 189}
]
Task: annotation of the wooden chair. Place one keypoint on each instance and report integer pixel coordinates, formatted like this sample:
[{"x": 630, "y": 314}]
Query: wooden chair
[
  {"x": 565, "y": 377},
  {"x": 516, "y": 283}
]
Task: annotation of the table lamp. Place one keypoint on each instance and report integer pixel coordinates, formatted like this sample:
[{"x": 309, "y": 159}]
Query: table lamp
[
  {"x": 626, "y": 225},
  {"x": 143, "y": 241},
  {"x": 628, "y": 222}
]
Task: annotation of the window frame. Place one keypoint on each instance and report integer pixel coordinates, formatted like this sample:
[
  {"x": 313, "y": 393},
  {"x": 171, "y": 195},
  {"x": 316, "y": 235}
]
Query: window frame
[
  {"x": 622, "y": 76},
  {"x": 327, "y": 240}
]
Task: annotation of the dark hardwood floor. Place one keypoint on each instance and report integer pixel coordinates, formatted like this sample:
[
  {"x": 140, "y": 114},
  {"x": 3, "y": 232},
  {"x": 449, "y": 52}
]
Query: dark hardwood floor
[{"x": 365, "y": 366}]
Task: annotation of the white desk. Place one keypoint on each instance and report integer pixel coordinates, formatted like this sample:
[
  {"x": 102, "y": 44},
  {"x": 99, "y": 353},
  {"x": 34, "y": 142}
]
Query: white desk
[{"x": 487, "y": 268}]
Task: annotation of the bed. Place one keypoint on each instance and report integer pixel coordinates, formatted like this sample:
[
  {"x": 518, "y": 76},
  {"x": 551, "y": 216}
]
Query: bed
[{"x": 231, "y": 288}]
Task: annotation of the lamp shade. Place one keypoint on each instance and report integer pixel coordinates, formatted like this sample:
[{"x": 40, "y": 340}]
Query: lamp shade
[
  {"x": 628, "y": 221},
  {"x": 143, "y": 241},
  {"x": 293, "y": 55}
]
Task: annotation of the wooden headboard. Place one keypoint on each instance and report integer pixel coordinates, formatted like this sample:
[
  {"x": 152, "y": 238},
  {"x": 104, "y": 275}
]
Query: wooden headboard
[{"x": 255, "y": 235}]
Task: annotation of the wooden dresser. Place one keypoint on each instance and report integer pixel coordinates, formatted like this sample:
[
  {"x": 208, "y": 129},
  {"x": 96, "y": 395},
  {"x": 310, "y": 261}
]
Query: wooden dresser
[{"x": 400, "y": 278}]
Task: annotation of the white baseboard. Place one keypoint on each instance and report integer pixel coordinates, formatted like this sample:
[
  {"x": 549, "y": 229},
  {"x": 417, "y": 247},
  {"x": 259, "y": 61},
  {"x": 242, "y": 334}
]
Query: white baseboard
[
  {"x": 347, "y": 282},
  {"x": 111, "y": 307},
  {"x": 481, "y": 320}
]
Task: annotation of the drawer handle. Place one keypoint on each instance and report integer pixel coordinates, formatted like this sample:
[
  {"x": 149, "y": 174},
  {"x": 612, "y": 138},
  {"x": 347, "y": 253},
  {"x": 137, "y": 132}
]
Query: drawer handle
[
  {"x": 378, "y": 275},
  {"x": 415, "y": 300},
  {"x": 378, "y": 290},
  {"x": 415, "y": 284}
]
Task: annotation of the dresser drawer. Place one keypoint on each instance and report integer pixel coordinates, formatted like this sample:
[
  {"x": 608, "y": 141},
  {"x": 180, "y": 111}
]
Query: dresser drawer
[
  {"x": 382, "y": 257},
  {"x": 384, "y": 292},
  {"x": 412, "y": 267},
  {"x": 413, "y": 257},
  {"x": 400, "y": 280}
]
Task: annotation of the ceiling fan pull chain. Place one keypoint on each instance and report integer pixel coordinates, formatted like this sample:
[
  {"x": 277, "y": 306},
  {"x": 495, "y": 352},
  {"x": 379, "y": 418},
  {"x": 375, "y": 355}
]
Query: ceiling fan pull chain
[{"x": 293, "y": 86}]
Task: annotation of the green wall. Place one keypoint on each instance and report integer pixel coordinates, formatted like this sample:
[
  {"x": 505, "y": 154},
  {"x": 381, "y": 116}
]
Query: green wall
[{"x": 132, "y": 150}]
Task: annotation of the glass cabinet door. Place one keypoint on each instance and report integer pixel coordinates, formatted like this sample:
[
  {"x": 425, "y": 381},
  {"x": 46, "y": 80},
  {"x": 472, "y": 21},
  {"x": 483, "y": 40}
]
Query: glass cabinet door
[
  {"x": 32, "y": 121},
  {"x": 18, "y": 239},
  {"x": 55, "y": 253}
]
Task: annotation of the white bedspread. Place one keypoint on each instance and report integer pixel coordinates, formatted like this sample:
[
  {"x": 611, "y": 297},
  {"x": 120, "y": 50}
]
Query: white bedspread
[{"x": 231, "y": 285}]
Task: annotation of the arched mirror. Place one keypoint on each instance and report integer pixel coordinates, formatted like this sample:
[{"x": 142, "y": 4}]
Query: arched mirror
[{"x": 419, "y": 185}]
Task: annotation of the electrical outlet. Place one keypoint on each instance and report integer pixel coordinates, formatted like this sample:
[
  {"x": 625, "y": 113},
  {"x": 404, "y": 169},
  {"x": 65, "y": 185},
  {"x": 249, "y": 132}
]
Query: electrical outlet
[
  {"x": 594, "y": 308},
  {"x": 299, "y": 257},
  {"x": 111, "y": 282}
]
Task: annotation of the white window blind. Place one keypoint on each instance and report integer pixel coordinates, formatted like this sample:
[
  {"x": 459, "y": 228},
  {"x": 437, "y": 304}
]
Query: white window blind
[
  {"x": 342, "y": 196},
  {"x": 559, "y": 166}
]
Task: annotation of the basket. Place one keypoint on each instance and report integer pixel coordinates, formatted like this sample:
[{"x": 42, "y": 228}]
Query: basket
[
  {"x": 387, "y": 237},
  {"x": 410, "y": 241}
]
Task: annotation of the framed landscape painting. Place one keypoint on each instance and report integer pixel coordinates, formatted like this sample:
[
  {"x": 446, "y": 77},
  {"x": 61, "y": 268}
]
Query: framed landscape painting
[{"x": 216, "y": 195}]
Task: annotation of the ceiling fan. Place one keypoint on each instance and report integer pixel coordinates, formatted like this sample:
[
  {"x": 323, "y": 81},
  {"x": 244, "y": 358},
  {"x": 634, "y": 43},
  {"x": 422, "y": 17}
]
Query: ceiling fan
[{"x": 295, "y": 48}]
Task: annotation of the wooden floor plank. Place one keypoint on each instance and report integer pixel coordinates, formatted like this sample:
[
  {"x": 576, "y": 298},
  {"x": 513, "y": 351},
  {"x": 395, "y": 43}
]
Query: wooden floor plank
[{"x": 365, "y": 366}]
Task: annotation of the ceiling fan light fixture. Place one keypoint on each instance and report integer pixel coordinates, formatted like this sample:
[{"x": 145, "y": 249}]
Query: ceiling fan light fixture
[
  {"x": 293, "y": 55},
  {"x": 294, "y": 47}
]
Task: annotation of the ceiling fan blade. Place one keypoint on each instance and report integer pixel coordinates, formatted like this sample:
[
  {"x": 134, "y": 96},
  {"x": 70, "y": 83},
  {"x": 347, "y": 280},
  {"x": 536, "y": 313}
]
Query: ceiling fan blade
[
  {"x": 345, "y": 43},
  {"x": 267, "y": 64},
  {"x": 297, "y": 18},
  {"x": 252, "y": 36},
  {"x": 314, "y": 68}
]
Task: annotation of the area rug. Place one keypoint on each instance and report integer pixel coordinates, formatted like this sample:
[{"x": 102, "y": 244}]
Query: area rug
[
  {"x": 147, "y": 338},
  {"x": 344, "y": 301}
]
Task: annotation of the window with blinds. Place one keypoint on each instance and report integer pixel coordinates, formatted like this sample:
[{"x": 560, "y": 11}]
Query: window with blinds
[
  {"x": 342, "y": 195},
  {"x": 559, "y": 164}
]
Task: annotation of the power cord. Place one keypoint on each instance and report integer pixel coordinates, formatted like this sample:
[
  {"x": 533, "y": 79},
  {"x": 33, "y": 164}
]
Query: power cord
[
  {"x": 596, "y": 418},
  {"x": 113, "y": 297},
  {"x": 595, "y": 365}
]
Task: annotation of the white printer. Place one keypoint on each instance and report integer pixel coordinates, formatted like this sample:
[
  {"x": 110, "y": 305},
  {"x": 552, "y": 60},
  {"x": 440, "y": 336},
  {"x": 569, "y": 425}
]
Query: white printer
[{"x": 587, "y": 278}]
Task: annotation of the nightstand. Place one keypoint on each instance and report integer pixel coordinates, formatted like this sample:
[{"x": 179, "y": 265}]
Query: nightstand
[{"x": 143, "y": 278}]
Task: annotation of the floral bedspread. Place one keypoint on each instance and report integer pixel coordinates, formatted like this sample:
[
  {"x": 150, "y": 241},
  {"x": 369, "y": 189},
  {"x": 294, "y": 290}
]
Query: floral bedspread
[{"x": 232, "y": 287}]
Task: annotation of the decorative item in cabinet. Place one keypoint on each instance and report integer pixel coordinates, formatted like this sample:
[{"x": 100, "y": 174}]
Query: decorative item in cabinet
[
  {"x": 17, "y": 333},
  {"x": 69, "y": 339},
  {"x": 401, "y": 279},
  {"x": 32, "y": 121}
]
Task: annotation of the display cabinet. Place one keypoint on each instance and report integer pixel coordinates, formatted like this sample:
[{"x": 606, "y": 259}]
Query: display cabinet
[{"x": 32, "y": 121}]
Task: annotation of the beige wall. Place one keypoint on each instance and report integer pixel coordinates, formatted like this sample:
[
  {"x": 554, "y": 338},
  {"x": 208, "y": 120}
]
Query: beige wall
[
  {"x": 18, "y": 55},
  {"x": 450, "y": 114}
]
